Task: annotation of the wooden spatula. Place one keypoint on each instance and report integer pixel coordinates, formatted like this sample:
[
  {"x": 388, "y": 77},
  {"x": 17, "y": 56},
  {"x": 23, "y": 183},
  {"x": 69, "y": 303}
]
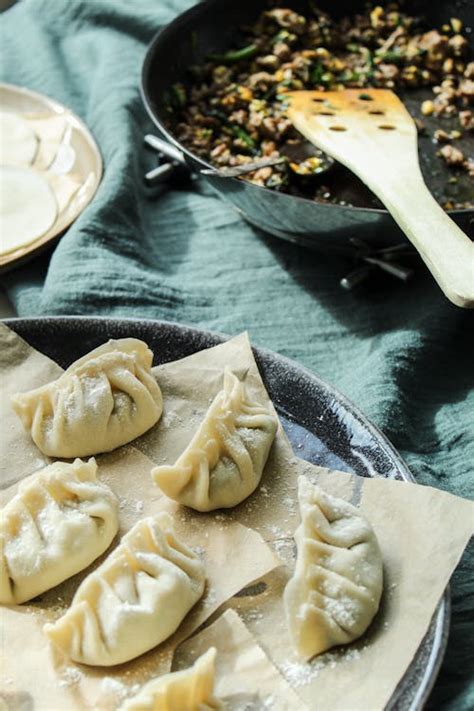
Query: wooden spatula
[{"x": 372, "y": 133}]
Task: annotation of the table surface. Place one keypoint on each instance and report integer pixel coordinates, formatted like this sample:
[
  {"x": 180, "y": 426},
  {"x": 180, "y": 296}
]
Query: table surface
[{"x": 401, "y": 353}]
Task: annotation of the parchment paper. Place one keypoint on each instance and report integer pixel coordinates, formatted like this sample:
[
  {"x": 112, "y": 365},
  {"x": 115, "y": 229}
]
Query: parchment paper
[
  {"x": 51, "y": 681},
  {"x": 22, "y": 368},
  {"x": 245, "y": 677},
  {"x": 403, "y": 516},
  {"x": 189, "y": 386},
  {"x": 422, "y": 533},
  {"x": 44, "y": 671}
]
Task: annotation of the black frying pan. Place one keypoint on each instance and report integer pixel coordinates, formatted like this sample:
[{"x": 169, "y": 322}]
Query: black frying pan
[{"x": 211, "y": 27}]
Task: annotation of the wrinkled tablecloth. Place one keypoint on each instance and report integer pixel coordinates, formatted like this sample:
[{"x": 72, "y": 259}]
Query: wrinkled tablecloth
[{"x": 403, "y": 354}]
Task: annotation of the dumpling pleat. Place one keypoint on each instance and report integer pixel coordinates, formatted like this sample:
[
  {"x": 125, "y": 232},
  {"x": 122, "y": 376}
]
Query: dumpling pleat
[
  {"x": 337, "y": 584},
  {"x": 188, "y": 690},
  {"x": 224, "y": 461},
  {"x": 61, "y": 520},
  {"x": 135, "y": 599},
  {"x": 102, "y": 401}
]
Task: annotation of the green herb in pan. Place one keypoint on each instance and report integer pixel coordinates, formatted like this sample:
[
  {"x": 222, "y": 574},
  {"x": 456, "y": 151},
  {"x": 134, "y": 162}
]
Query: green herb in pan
[
  {"x": 244, "y": 136},
  {"x": 177, "y": 96},
  {"x": 317, "y": 72},
  {"x": 235, "y": 55},
  {"x": 393, "y": 57}
]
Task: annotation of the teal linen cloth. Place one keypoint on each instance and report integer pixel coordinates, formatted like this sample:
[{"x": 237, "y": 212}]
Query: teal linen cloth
[{"x": 403, "y": 354}]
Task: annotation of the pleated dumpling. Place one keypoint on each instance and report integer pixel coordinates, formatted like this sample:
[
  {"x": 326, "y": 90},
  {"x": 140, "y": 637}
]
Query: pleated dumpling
[
  {"x": 60, "y": 520},
  {"x": 134, "y": 600},
  {"x": 337, "y": 584},
  {"x": 102, "y": 401},
  {"x": 188, "y": 690},
  {"x": 224, "y": 462}
]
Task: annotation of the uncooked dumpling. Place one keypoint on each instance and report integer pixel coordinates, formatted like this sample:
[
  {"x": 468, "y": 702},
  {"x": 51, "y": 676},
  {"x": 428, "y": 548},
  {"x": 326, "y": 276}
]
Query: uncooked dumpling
[
  {"x": 224, "y": 462},
  {"x": 336, "y": 588},
  {"x": 28, "y": 207},
  {"x": 18, "y": 141},
  {"x": 60, "y": 520},
  {"x": 102, "y": 401},
  {"x": 136, "y": 599},
  {"x": 188, "y": 690}
]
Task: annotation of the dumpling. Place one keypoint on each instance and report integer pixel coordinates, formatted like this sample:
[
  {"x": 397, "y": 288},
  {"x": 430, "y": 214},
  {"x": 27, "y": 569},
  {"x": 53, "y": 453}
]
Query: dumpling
[
  {"x": 188, "y": 690},
  {"x": 102, "y": 401},
  {"x": 60, "y": 520},
  {"x": 224, "y": 462},
  {"x": 136, "y": 599},
  {"x": 337, "y": 584}
]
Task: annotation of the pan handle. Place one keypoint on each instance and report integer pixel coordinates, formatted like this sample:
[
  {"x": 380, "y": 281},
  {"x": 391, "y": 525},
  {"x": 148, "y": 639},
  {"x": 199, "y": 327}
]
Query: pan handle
[{"x": 172, "y": 169}]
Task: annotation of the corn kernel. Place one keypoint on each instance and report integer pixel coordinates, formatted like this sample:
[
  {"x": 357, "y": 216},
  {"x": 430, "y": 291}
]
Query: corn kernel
[
  {"x": 245, "y": 93},
  {"x": 337, "y": 65},
  {"x": 376, "y": 15},
  {"x": 427, "y": 108},
  {"x": 228, "y": 100},
  {"x": 456, "y": 24},
  {"x": 314, "y": 162},
  {"x": 322, "y": 53},
  {"x": 448, "y": 65}
]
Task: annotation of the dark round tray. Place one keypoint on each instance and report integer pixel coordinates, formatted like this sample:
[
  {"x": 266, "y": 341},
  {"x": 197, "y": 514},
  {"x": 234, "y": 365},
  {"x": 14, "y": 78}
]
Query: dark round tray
[{"x": 323, "y": 426}]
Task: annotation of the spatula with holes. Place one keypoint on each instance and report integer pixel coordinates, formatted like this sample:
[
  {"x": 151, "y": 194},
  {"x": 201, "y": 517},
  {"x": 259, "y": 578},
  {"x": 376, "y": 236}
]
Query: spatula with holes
[{"x": 372, "y": 134}]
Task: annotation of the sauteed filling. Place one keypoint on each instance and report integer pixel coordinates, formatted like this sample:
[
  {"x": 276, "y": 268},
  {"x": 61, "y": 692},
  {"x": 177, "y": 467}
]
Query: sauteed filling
[{"x": 233, "y": 110}]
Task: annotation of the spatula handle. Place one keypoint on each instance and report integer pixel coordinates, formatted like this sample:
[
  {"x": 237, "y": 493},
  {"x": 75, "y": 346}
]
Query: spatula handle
[
  {"x": 446, "y": 250},
  {"x": 374, "y": 136}
]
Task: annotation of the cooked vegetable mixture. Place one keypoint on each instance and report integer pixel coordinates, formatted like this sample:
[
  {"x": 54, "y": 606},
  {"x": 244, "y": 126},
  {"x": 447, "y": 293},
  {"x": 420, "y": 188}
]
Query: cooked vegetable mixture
[{"x": 233, "y": 111}]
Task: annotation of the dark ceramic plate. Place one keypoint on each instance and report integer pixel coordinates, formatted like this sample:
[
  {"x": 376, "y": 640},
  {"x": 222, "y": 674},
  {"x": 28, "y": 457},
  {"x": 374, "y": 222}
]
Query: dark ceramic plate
[{"x": 324, "y": 428}]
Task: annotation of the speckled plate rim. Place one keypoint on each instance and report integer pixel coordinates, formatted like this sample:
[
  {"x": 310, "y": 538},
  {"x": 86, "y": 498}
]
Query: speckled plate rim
[
  {"x": 419, "y": 679},
  {"x": 22, "y": 254}
]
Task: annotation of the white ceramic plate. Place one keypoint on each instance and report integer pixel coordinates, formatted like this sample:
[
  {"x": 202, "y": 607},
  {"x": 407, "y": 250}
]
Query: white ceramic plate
[{"x": 86, "y": 164}]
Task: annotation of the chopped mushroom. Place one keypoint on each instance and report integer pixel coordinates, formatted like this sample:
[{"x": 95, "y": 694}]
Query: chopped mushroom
[
  {"x": 466, "y": 88},
  {"x": 441, "y": 136},
  {"x": 288, "y": 19},
  {"x": 452, "y": 156},
  {"x": 466, "y": 119}
]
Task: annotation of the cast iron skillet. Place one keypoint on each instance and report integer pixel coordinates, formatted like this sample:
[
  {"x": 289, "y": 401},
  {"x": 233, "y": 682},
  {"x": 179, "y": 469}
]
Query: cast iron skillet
[{"x": 212, "y": 26}]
